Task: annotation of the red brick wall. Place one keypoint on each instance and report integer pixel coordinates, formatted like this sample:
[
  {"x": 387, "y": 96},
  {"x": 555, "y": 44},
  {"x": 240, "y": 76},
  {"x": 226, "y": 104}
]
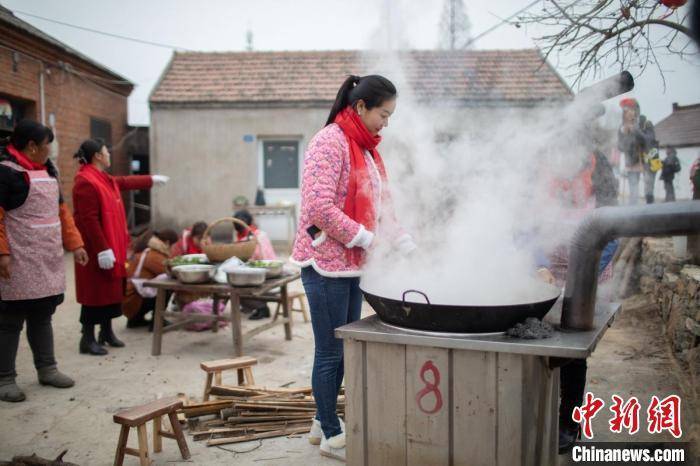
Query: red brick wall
[{"x": 71, "y": 98}]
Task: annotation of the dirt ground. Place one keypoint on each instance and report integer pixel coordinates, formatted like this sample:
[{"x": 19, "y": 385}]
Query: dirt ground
[{"x": 632, "y": 359}]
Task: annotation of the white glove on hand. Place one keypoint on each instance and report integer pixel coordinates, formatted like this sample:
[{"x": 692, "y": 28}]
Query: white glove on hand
[
  {"x": 406, "y": 245},
  {"x": 364, "y": 239},
  {"x": 106, "y": 259},
  {"x": 160, "y": 180}
]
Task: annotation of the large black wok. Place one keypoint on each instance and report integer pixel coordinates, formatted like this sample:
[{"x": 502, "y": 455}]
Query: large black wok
[{"x": 460, "y": 319}]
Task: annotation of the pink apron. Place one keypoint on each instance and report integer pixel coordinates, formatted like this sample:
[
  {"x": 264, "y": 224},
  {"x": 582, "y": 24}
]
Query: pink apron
[{"x": 36, "y": 246}]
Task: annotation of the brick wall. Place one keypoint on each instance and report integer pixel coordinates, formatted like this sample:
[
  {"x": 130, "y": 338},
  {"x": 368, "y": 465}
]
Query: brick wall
[
  {"x": 71, "y": 98},
  {"x": 673, "y": 283}
]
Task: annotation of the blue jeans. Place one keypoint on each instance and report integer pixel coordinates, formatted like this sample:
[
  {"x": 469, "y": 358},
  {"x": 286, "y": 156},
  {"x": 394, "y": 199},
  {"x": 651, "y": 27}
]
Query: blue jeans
[{"x": 333, "y": 302}]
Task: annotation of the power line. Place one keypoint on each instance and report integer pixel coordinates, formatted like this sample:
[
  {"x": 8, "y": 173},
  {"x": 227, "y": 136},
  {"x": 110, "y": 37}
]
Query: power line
[
  {"x": 496, "y": 26},
  {"x": 109, "y": 34}
]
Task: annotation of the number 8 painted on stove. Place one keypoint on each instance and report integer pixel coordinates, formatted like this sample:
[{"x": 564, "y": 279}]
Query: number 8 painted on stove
[{"x": 430, "y": 387}]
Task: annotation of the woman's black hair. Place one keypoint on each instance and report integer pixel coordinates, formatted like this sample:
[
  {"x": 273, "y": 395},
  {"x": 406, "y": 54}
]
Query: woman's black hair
[
  {"x": 198, "y": 229},
  {"x": 167, "y": 235},
  {"x": 88, "y": 149},
  {"x": 29, "y": 130},
  {"x": 244, "y": 216},
  {"x": 374, "y": 90}
]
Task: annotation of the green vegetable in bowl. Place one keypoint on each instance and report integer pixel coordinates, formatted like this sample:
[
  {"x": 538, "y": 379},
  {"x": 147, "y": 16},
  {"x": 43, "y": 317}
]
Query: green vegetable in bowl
[
  {"x": 264, "y": 263},
  {"x": 179, "y": 260}
]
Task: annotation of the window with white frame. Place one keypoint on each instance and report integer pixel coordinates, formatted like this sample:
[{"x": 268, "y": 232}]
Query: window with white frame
[{"x": 280, "y": 160}]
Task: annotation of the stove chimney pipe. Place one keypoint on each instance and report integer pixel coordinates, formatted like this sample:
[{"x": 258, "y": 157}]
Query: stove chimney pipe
[{"x": 603, "y": 225}]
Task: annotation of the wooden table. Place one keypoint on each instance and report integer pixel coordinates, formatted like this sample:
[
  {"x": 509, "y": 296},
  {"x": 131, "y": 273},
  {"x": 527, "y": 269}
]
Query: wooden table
[
  {"x": 288, "y": 210},
  {"x": 218, "y": 292}
]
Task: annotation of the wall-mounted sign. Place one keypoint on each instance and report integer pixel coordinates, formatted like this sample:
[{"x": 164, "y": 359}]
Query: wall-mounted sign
[{"x": 248, "y": 138}]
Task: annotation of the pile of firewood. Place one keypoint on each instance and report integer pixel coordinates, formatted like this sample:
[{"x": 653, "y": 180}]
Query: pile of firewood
[{"x": 242, "y": 414}]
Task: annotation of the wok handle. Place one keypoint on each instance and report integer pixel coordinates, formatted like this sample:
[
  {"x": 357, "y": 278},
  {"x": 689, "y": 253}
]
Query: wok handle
[{"x": 403, "y": 297}]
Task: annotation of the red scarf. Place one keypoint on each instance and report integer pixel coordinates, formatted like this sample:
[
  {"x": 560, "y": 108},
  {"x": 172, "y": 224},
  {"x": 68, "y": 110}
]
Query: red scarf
[
  {"x": 245, "y": 235},
  {"x": 359, "y": 204},
  {"x": 24, "y": 161},
  {"x": 188, "y": 246},
  {"x": 113, "y": 217}
]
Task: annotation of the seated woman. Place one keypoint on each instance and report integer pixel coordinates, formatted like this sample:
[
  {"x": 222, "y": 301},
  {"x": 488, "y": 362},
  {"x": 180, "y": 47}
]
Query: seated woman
[
  {"x": 190, "y": 242},
  {"x": 263, "y": 251},
  {"x": 151, "y": 252}
]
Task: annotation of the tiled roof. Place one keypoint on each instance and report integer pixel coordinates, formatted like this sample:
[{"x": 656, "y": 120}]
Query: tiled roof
[
  {"x": 498, "y": 77},
  {"x": 681, "y": 128},
  {"x": 6, "y": 16}
]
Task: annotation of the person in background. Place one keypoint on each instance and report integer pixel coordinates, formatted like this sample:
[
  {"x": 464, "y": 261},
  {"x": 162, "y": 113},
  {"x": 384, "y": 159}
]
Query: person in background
[
  {"x": 264, "y": 250},
  {"x": 100, "y": 217},
  {"x": 190, "y": 241},
  {"x": 634, "y": 139},
  {"x": 671, "y": 166},
  {"x": 593, "y": 185},
  {"x": 150, "y": 255},
  {"x": 35, "y": 227},
  {"x": 695, "y": 177},
  {"x": 344, "y": 188}
]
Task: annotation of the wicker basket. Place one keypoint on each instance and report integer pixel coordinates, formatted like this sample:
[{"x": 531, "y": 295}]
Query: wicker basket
[{"x": 219, "y": 252}]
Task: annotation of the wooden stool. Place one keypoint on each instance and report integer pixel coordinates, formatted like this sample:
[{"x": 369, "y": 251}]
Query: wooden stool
[
  {"x": 243, "y": 365},
  {"x": 138, "y": 417},
  {"x": 298, "y": 296}
]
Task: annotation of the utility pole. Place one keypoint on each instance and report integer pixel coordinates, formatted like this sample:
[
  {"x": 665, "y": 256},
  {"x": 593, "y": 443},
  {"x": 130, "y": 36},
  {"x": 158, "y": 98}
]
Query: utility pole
[
  {"x": 452, "y": 24},
  {"x": 249, "y": 40}
]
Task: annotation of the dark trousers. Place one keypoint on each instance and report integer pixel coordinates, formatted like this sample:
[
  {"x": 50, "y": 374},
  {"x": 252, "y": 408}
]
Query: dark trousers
[
  {"x": 670, "y": 191},
  {"x": 572, "y": 383},
  {"x": 333, "y": 302},
  {"x": 39, "y": 334},
  {"x": 92, "y": 315},
  {"x": 147, "y": 305}
]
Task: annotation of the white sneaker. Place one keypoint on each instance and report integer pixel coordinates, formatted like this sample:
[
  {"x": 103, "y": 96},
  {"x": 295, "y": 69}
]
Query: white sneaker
[
  {"x": 316, "y": 433},
  {"x": 334, "y": 447}
]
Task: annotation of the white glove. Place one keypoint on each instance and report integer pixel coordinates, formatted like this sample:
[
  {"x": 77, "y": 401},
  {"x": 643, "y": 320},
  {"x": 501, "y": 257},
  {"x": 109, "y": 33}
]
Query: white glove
[
  {"x": 364, "y": 239},
  {"x": 160, "y": 180},
  {"x": 405, "y": 244},
  {"x": 106, "y": 259}
]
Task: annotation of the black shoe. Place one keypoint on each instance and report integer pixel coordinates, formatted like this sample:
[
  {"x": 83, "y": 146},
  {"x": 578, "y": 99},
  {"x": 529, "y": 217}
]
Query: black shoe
[
  {"x": 262, "y": 312},
  {"x": 108, "y": 337},
  {"x": 138, "y": 322},
  {"x": 567, "y": 438},
  {"x": 90, "y": 346}
]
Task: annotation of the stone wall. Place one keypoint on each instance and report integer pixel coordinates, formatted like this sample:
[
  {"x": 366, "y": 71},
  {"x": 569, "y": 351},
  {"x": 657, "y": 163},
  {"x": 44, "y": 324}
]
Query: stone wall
[{"x": 674, "y": 283}]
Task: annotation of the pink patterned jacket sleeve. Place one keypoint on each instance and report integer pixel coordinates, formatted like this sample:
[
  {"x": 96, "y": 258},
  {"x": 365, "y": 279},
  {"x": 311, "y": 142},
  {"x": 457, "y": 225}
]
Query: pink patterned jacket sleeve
[{"x": 323, "y": 165}]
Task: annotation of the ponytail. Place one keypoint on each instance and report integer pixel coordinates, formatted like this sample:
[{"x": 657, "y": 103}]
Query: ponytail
[
  {"x": 342, "y": 99},
  {"x": 87, "y": 150},
  {"x": 373, "y": 90}
]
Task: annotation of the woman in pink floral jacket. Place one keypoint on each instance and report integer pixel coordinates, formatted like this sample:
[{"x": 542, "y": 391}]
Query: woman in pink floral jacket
[{"x": 345, "y": 202}]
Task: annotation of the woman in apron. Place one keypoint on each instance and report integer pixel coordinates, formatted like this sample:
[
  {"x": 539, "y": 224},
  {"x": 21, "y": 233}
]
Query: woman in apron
[
  {"x": 35, "y": 227},
  {"x": 100, "y": 217}
]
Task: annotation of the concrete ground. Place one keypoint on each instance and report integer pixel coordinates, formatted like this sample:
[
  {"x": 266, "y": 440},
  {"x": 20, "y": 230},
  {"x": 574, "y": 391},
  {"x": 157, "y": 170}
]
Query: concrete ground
[{"x": 631, "y": 360}]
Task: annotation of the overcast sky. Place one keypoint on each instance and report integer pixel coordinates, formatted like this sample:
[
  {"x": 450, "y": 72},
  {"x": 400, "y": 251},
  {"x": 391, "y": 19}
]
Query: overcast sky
[{"x": 221, "y": 25}]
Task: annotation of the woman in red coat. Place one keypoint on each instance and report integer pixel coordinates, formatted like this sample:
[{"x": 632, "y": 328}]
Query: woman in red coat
[{"x": 100, "y": 217}]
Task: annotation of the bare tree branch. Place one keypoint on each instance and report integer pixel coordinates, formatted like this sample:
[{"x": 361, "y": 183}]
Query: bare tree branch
[{"x": 632, "y": 34}]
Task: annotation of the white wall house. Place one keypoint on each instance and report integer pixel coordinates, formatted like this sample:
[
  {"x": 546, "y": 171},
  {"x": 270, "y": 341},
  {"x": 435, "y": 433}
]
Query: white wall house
[
  {"x": 224, "y": 124},
  {"x": 681, "y": 129}
]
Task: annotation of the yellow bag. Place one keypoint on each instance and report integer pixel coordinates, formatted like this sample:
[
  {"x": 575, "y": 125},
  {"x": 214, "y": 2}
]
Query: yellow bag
[{"x": 655, "y": 164}]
